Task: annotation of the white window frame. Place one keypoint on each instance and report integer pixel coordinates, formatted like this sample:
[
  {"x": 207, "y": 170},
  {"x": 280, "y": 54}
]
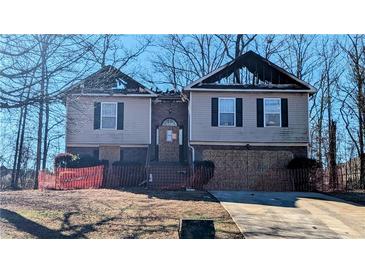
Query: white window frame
[
  {"x": 272, "y": 99},
  {"x": 116, "y": 115},
  {"x": 234, "y": 111},
  {"x": 180, "y": 136}
]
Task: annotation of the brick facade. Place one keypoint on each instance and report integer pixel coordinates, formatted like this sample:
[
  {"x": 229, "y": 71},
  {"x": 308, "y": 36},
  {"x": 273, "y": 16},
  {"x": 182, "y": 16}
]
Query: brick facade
[
  {"x": 92, "y": 151},
  {"x": 110, "y": 153},
  {"x": 239, "y": 164},
  {"x": 134, "y": 154},
  {"x": 113, "y": 153}
]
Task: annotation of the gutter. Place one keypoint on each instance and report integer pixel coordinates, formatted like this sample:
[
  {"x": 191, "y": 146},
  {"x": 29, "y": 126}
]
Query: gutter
[{"x": 311, "y": 91}]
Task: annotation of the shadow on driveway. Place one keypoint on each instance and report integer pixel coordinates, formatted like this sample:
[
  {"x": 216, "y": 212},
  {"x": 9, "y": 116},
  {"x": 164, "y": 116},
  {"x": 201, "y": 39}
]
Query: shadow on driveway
[{"x": 281, "y": 199}]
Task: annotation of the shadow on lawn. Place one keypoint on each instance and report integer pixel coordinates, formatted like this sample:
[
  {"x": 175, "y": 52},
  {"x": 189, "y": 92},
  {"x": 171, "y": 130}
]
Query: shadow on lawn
[
  {"x": 41, "y": 232},
  {"x": 140, "y": 226},
  {"x": 180, "y": 195},
  {"x": 26, "y": 225}
]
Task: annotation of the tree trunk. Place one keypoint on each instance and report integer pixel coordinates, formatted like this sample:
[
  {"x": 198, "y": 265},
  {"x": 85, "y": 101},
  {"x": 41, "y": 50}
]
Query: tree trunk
[
  {"x": 17, "y": 173},
  {"x": 332, "y": 155},
  {"x": 361, "y": 132},
  {"x": 320, "y": 128},
  {"x": 331, "y": 135},
  {"x": 45, "y": 139},
  {"x": 17, "y": 152},
  {"x": 40, "y": 116},
  {"x": 237, "y": 78}
]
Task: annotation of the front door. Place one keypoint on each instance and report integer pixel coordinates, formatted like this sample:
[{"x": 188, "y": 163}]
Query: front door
[{"x": 168, "y": 145}]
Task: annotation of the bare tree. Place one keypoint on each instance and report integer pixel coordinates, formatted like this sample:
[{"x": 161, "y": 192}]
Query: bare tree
[
  {"x": 298, "y": 56},
  {"x": 353, "y": 103},
  {"x": 184, "y": 58},
  {"x": 236, "y": 45},
  {"x": 329, "y": 77},
  {"x": 110, "y": 49},
  {"x": 270, "y": 45},
  {"x": 36, "y": 69}
]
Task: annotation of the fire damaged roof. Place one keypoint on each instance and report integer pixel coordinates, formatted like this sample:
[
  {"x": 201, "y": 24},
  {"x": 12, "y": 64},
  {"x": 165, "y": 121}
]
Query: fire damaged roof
[
  {"x": 109, "y": 80},
  {"x": 171, "y": 95},
  {"x": 261, "y": 74}
]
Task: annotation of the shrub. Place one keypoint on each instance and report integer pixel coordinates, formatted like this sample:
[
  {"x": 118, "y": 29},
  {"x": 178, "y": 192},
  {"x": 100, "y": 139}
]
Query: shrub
[
  {"x": 304, "y": 173},
  {"x": 104, "y": 162},
  {"x": 203, "y": 172},
  {"x": 85, "y": 160},
  {"x": 76, "y": 161},
  {"x": 64, "y": 159},
  {"x": 208, "y": 164},
  {"x": 303, "y": 163}
]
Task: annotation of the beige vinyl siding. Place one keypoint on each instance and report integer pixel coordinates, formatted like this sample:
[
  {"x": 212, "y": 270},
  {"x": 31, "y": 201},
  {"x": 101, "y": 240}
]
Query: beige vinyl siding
[
  {"x": 202, "y": 131},
  {"x": 80, "y": 122}
]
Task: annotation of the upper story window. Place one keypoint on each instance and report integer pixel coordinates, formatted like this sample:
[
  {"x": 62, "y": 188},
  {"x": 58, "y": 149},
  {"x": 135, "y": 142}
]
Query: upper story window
[
  {"x": 227, "y": 112},
  {"x": 108, "y": 115},
  {"x": 272, "y": 110}
]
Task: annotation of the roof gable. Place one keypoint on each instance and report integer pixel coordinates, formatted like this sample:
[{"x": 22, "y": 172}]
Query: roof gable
[
  {"x": 109, "y": 80},
  {"x": 250, "y": 71}
]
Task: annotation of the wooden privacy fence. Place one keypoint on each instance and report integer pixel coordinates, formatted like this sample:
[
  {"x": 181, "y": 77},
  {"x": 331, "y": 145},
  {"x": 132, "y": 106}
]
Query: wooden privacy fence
[{"x": 72, "y": 178}]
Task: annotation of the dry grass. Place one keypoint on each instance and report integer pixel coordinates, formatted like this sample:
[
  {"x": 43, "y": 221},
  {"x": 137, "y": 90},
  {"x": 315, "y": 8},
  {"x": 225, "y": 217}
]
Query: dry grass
[{"x": 107, "y": 213}]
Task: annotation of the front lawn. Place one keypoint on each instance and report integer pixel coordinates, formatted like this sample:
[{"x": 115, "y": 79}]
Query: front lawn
[{"x": 104, "y": 213}]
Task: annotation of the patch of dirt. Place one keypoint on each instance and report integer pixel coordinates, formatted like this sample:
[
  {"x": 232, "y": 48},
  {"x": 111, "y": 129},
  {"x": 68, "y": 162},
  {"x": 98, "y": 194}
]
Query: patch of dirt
[{"x": 105, "y": 213}]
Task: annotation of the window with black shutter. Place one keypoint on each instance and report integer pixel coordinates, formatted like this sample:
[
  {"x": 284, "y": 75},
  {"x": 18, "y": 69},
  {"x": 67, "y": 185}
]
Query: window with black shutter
[
  {"x": 227, "y": 112},
  {"x": 239, "y": 112},
  {"x": 214, "y": 112},
  {"x": 120, "y": 120},
  {"x": 97, "y": 112},
  {"x": 272, "y": 112},
  {"x": 260, "y": 112},
  {"x": 284, "y": 112}
]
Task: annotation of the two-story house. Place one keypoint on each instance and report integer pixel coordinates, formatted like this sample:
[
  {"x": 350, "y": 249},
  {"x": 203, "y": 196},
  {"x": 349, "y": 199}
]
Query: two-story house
[{"x": 248, "y": 114}]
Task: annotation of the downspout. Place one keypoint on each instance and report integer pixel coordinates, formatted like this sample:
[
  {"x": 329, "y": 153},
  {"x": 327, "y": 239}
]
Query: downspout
[
  {"x": 189, "y": 127},
  {"x": 192, "y": 152},
  {"x": 189, "y": 138}
]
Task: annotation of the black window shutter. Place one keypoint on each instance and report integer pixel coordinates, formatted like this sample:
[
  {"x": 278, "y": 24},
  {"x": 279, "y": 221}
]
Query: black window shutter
[
  {"x": 120, "y": 118},
  {"x": 284, "y": 112},
  {"x": 97, "y": 110},
  {"x": 239, "y": 115},
  {"x": 214, "y": 112},
  {"x": 260, "y": 112}
]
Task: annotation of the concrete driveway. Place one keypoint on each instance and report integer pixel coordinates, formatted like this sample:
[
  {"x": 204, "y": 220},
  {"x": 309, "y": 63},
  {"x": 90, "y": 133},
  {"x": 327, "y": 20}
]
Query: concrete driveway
[{"x": 293, "y": 215}]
